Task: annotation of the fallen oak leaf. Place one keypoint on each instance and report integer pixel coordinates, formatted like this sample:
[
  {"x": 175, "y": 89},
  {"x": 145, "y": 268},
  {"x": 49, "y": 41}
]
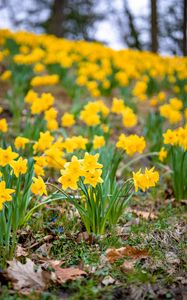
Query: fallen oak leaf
[
  {"x": 24, "y": 277},
  {"x": 20, "y": 251},
  {"x": 48, "y": 262},
  {"x": 144, "y": 214},
  {"x": 112, "y": 255},
  {"x": 115, "y": 254},
  {"x": 44, "y": 249},
  {"x": 67, "y": 274},
  {"x": 46, "y": 238},
  {"x": 128, "y": 265},
  {"x": 134, "y": 252},
  {"x": 61, "y": 275}
]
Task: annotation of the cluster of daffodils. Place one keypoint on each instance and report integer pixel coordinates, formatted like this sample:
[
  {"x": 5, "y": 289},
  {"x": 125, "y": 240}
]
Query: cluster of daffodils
[
  {"x": 18, "y": 167},
  {"x": 119, "y": 108},
  {"x": 140, "y": 89},
  {"x": 29, "y": 56},
  {"x": 176, "y": 137},
  {"x": 45, "y": 80},
  {"x": 145, "y": 180},
  {"x": 92, "y": 113},
  {"x": 172, "y": 110},
  {"x": 97, "y": 68},
  {"x": 39, "y": 104},
  {"x": 88, "y": 168},
  {"x": 43, "y": 104},
  {"x": 157, "y": 99},
  {"x": 131, "y": 144},
  {"x": 51, "y": 118},
  {"x": 176, "y": 141}
]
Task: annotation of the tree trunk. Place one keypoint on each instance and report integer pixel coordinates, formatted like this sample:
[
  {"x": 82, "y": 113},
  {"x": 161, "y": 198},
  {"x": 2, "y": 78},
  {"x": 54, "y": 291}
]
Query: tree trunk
[
  {"x": 154, "y": 26},
  {"x": 184, "y": 46},
  {"x": 135, "y": 41},
  {"x": 55, "y": 22}
]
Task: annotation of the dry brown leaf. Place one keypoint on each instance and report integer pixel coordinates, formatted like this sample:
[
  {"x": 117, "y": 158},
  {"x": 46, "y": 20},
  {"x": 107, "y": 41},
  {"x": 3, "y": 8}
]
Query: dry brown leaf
[
  {"x": 84, "y": 236},
  {"x": 144, "y": 214},
  {"x": 61, "y": 275},
  {"x": 128, "y": 265},
  {"x": 115, "y": 254},
  {"x": 184, "y": 201},
  {"x": 47, "y": 262},
  {"x": 48, "y": 238},
  {"x": 24, "y": 276},
  {"x": 44, "y": 249},
  {"x": 20, "y": 251}
]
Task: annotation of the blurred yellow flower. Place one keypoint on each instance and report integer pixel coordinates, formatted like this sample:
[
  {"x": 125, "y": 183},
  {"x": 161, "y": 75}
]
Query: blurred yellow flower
[
  {"x": 19, "y": 166},
  {"x": 5, "y": 194},
  {"x": 3, "y": 125}
]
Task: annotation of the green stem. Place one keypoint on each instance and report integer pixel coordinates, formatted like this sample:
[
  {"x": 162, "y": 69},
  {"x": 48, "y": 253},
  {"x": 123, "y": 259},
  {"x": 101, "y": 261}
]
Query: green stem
[
  {"x": 182, "y": 176},
  {"x": 140, "y": 157},
  {"x": 31, "y": 211},
  {"x": 14, "y": 242}
]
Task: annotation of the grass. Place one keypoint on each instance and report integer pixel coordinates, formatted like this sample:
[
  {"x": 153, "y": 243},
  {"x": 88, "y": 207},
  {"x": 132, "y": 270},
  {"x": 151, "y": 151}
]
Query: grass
[{"x": 161, "y": 237}]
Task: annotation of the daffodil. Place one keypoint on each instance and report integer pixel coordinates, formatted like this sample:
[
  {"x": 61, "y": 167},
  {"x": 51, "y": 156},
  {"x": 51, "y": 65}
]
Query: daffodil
[
  {"x": 44, "y": 141},
  {"x": 68, "y": 120},
  {"x": 162, "y": 154},
  {"x": 93, "y": 177},
  {"x": 90, "y": 162},
  {"x": 131, "y": 144},
  {"x": 5, "y": 194},
  {"x": 20, "y": 142},
  {"x": 170, "y": 137},
  {"x": 19, "y": 166},
  {"x": 145, "y": 180},
  {"x": 98, "y": 142},
  {"x": 38, "y": 186},
  {"x": 118, "y": 105},
  {"x": 7, "y": 156},
  {"x": 68, "y": 180},
  {"x": 3, "y": 125},
  {"x": 74, "y": 167}
]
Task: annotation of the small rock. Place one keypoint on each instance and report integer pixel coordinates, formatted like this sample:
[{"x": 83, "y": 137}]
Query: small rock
[{"x": 108, "y": 280}]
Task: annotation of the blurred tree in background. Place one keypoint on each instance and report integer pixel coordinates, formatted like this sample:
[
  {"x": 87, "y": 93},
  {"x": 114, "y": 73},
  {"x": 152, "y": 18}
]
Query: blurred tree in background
[
  {"x": 130, "y": 33},
  {"x": 154, "y": 26},
  {"x": 74, "y": 19},
  {"x": 173, "y": 27}
]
